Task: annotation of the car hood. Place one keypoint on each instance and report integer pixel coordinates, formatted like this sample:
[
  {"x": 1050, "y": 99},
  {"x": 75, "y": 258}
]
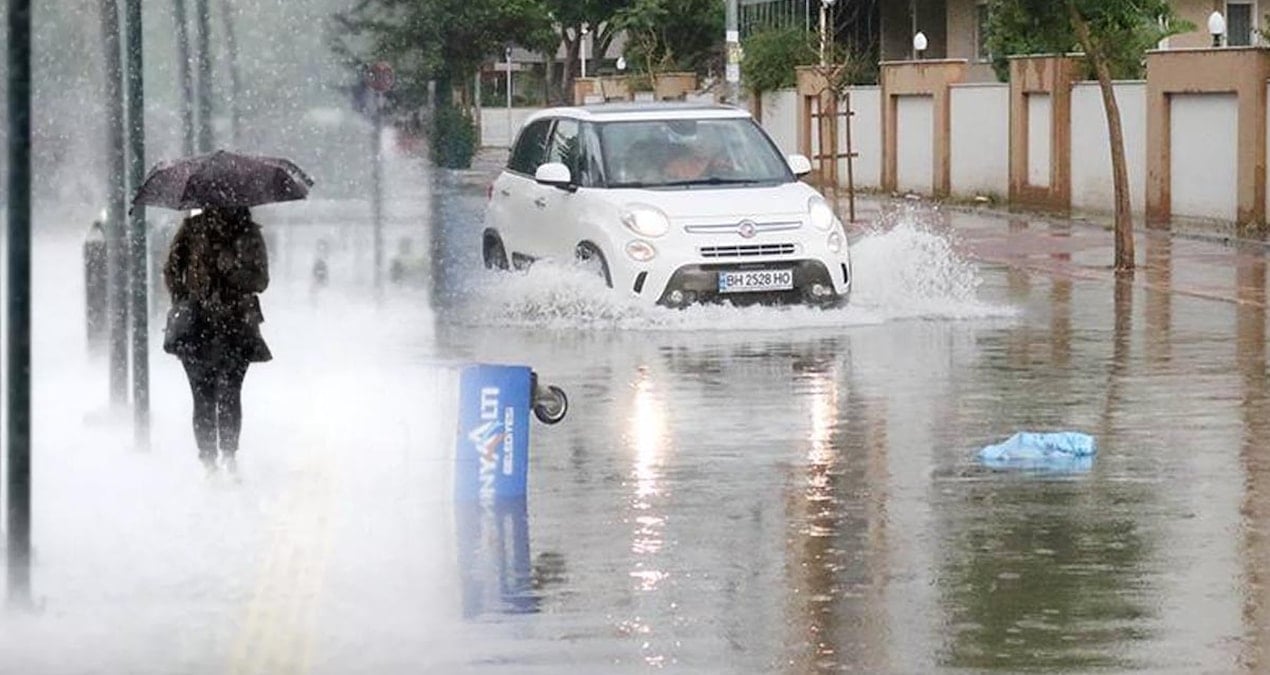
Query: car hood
[{"x": 788, "y": 199}]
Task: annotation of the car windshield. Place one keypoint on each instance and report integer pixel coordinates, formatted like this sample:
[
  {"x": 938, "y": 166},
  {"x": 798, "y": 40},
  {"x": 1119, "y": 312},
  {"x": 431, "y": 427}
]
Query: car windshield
[{"x": 689, "y": 152}]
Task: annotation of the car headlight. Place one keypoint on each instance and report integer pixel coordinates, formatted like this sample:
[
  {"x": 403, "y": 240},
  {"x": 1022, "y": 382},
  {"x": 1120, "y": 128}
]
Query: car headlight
[
  {"x": 641, "y": 251},
  {"x": 822, "y": 215},
  {"x": 646, "y": 221}
]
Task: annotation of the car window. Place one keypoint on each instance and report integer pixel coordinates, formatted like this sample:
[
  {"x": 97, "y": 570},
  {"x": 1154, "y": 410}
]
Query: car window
[
  {"x": 530, "y": 148},
  {"x": 685, "y": 152},
  {"x": 566, "y": 147}
]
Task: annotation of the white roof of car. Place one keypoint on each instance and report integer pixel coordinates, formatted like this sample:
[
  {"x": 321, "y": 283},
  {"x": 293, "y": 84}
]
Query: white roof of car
[{"x": 630, "y": 112}]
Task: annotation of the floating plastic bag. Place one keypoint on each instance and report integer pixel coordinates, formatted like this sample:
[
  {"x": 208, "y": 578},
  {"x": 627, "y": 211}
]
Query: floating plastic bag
[{"x": 1059, "y": 451}]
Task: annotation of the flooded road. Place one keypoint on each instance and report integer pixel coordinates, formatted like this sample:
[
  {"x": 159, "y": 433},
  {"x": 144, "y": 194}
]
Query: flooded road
[{"x": 757, "y": 491}]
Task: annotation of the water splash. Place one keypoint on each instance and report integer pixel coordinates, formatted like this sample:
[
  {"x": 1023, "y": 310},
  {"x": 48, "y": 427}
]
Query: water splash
[{"x": 903, "y": 270}]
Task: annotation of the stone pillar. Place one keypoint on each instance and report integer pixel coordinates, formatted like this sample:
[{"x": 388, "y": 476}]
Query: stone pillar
[
  {"x": 920, "y": 78},
  {"x": 1052, "y": 76}
]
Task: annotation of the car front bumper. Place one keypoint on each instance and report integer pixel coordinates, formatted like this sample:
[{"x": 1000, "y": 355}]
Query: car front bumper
[{"x": 814, "y": 284}]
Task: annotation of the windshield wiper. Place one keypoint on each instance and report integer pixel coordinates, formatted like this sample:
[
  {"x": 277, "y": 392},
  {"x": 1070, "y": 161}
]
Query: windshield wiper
[{"x": 713, "y": 180}]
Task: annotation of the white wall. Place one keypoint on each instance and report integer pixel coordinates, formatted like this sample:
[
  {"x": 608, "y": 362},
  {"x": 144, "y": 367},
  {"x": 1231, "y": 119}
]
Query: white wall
[
  {"x": 1040, "y": 123},
  {"x": 1204, "y": 155},
  {"x": 980, "y": 143},
  {"x": 780, "y": 118},
  {"x": 866, "y": 137},
  {"x": 915, "y": 145},
  {"x": 1092, "y": 186},
  {"x": 494, "y": 129}
]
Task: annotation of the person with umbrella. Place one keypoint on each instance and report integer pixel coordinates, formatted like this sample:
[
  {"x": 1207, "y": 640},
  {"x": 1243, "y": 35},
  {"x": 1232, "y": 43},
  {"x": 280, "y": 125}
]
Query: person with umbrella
[{"x": 216, "y": 268}]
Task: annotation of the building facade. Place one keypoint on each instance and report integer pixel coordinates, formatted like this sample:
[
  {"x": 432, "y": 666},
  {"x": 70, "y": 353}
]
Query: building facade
[{"x": 956, "y": 29}]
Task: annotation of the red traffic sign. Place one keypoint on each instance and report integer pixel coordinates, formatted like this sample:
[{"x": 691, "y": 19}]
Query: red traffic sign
[{"x": 380, "y": 76}]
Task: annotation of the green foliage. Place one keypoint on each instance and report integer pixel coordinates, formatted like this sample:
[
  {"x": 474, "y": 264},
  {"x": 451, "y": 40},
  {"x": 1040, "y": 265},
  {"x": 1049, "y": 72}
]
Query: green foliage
[
  {"x": 1121, "y": 31},
  {"x": 453, "y": 138},
  {"x": 771, "y": 56},
  {"x": 438, "y": 39},
  {"x": 672, "y": 35}
]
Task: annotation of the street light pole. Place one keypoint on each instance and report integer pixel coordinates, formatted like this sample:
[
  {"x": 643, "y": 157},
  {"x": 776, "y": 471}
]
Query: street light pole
[
  {"x": 19, "y": 305},
  {"x": 510, "y": 130},
  {"x": 733, "y": 68},
  {"x": 203, "y": 20},
  {"x": 116, "y": 240},
  {"x": 140, "y": 310}
]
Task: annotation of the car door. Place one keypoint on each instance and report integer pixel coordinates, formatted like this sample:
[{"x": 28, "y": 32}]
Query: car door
[
  {"x": 515, "y": 191},
  {"x": 556, "y": 217}
]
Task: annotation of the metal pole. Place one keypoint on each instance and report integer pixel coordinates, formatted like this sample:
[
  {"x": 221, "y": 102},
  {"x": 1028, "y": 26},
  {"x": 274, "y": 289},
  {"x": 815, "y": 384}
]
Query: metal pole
[
  {"x": 510, "y": 131},
  {"x": 203, "y": 21},
  {"x": 377, "y": 193},
  {"x": 733, "y": 37},
  {"x": 19, "y": 304},
  {"x": 137, "y": 228},
  {"x": 912, "y": 10},
  {"x": 116, "y": 241},
  {"x": 582, "y": 46},
  {"x": 235, "y": 86},
  {"x": 824, "y": 36},
  {"x": 184, "y": 76}
]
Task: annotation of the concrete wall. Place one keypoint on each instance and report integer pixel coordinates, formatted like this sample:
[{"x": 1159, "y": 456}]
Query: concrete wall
[
  {"x": 1204, "y": 157},
  {"x": 981, "y": 139},
  {"x": 1092, "y": 186},
  {"x": 780, "y": 118},
  {"x": 866, "y": 136},
  {"x": 494, "y": 125},
  {"x": 915, "y": 143},
  {"x": 1039, "y": 119}
]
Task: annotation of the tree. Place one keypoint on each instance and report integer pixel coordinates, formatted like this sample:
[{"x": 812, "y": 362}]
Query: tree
[
  {"x": 773, "y": 54},
  {"x": 664, "y": 35},
  {"x": 1113, "y": 36},
  {"x": 442, "y": 40},
  {"x": 571, "y": 17}
]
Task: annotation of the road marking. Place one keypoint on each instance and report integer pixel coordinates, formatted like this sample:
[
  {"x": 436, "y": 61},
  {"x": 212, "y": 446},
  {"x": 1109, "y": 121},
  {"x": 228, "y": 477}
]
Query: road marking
[{"x": 277, "y": 634}]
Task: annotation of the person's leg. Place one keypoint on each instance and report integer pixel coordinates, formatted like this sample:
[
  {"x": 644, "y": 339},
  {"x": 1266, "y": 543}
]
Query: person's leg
[
  {"x": 203, "y": 387},
  {"x": 229, "y": 405}
]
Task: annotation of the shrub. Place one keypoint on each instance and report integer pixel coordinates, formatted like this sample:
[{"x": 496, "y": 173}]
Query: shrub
[
  {"x": 772, "y": 55},
  {"x": 453, "y": 138}
]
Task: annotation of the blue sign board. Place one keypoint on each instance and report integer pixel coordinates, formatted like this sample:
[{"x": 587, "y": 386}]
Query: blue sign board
[{"x": 492, "y": 451}]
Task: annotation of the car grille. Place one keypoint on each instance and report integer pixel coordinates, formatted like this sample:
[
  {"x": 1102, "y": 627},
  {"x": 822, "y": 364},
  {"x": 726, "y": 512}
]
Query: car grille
[{"x": 747, "y": 250}]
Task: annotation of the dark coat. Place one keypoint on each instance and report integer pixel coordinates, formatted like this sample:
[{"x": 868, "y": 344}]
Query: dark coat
[{"x": 218, "y": 264}]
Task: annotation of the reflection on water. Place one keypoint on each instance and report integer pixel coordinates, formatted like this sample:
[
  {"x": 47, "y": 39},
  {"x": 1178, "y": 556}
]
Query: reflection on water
[
  {"x": 1250, "y": 347},
  {"x": 809, "y": 502}
]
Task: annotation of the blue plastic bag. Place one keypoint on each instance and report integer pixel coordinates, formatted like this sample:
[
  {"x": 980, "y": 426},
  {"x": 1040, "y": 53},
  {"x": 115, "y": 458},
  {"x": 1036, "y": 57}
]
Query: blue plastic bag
[{"x": 1065, "y": 451}]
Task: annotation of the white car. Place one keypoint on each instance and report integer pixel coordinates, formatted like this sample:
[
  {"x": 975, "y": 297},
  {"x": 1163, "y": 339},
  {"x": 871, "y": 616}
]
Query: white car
[{"x": 674, "y": 203}]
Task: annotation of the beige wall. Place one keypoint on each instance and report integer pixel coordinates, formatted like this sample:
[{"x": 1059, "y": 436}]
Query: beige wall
[
  {"x": 1197, "y": 12},
  {"x": 962, "y": 40}
]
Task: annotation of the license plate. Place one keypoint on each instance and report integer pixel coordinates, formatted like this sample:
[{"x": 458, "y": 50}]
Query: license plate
[{"x": 751, "y": 281}]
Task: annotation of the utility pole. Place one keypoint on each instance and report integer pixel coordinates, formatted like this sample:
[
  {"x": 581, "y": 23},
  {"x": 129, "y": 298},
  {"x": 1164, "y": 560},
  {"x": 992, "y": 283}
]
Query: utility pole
[
  {"x": 137, "y": 228},
  {"x": 203, "y": 21},
  {"x": 377, "y": 195},
  {"x": 184, "y": 76},
  {"x": 116, "y": 242},
  {"x": 19, "y": 305},
  {"x": 733, "y": 75},
  {"x": 235, "y": 86},
  {"x": 510, "y": 131}
]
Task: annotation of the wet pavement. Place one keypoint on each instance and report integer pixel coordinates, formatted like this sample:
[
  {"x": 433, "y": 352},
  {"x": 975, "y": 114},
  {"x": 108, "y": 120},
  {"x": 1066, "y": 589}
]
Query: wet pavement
[{"x": 734, "y": 490}]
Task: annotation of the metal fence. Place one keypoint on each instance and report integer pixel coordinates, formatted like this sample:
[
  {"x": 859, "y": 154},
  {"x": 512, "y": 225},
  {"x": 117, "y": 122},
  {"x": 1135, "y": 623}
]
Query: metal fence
[{"x": 757, "y": 15}]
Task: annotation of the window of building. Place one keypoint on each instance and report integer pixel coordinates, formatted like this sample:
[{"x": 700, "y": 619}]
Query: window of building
[
  {"x": 1240, "y": 23},
  {"x": 981, "y": 32}
]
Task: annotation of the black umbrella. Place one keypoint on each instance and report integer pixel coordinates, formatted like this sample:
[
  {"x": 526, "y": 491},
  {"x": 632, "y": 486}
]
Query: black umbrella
[{"x": 222, "y": 179}]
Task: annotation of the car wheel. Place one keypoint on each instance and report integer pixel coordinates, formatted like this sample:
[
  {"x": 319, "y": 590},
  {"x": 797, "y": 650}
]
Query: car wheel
[
  {"x": 493, "y": 253},
  {"x": 591, "y": 258}
]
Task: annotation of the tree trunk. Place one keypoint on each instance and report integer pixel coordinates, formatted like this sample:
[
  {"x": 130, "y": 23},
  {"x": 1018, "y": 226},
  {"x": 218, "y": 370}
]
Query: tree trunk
[
  {"x": 184, "y": 76},
  {"x": 1119, "y": 169},
  {"x": 571, "y": 46},
  {"x": 235, "y": 84}
]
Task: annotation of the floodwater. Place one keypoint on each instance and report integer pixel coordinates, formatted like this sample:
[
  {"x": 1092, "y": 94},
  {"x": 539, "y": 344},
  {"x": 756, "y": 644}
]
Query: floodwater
[{"x": 757, "y": 490}]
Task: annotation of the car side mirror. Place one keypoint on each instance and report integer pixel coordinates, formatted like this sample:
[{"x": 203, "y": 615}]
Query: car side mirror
[
  {"x": 799, "y": 164},
  {"x": 554, "y": 174}
]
